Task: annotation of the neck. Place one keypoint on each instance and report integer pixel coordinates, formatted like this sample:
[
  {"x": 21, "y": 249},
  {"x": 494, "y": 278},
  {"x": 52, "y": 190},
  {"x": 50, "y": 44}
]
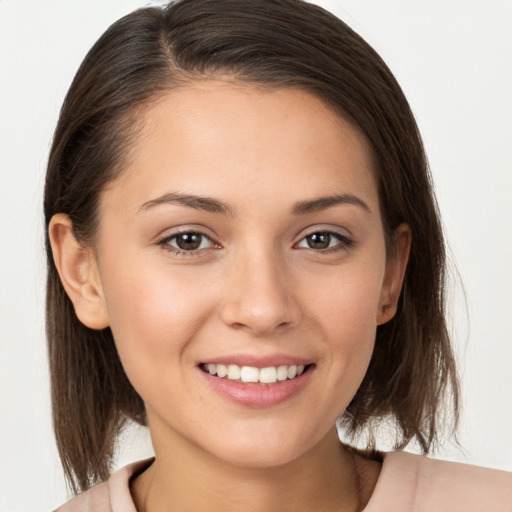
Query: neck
[{"x": 326, "y": 478}]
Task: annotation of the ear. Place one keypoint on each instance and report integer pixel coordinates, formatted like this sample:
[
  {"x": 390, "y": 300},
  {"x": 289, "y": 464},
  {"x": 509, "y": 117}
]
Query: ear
[
  {"x": 78, "y": 272},
  {"x": 394, "y": 275}
]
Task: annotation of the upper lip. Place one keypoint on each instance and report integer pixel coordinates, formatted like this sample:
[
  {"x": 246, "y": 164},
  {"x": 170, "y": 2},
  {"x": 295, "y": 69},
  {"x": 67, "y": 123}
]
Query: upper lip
[{"x": 258, "y": 361}]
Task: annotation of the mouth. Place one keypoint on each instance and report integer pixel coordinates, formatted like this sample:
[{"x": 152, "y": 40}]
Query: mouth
[{"x": 269, "y": 375}]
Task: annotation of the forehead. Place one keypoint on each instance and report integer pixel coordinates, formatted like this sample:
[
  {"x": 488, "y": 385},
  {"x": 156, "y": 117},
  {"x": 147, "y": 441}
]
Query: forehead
[{"x": 213, "y": 136}]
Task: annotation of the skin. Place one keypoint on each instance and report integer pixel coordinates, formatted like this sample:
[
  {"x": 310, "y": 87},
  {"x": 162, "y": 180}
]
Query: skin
[{"x": 255, "y": 286}]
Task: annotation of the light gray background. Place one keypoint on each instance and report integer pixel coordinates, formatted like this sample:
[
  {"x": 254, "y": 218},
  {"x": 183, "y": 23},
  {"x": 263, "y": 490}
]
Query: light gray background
[{"x": 453, "y": 59}]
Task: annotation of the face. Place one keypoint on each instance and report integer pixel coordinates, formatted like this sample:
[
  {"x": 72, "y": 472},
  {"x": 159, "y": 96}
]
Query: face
[{"x": 241, "y": 265}]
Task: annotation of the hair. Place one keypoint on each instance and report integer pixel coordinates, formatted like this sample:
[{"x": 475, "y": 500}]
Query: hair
[{"x": 272, "y": 44}]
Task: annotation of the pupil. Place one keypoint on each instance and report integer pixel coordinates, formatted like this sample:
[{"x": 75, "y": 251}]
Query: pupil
[
  {"x": 188, "y": 241},
  {"x": 319, "y": 240}
]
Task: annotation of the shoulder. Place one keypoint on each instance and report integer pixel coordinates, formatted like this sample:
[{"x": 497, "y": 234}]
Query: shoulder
[
  {"x": 420, "y": 484},
  {"x": 108, "y": 496},
  {"x": 473, "y": 487},
  {"x": 96, "y": 499}
]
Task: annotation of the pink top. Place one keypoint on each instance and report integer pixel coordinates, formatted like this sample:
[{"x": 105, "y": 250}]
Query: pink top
[{"x": 407, "y": 483}]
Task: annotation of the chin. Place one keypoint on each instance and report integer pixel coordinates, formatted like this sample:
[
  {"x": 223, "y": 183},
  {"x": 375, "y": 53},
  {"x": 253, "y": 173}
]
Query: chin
[{"x": 260, "y": 449}]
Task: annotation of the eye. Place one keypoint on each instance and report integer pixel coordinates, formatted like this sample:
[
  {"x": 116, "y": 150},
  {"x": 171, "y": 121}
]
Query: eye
[
  {"x": 325, "y": 241},
  {"x": 187, "y": 241}
]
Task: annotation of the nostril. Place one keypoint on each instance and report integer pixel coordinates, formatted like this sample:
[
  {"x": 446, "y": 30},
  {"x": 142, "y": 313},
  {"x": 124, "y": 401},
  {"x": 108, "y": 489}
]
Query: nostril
[{"x": 258, "y": 298}]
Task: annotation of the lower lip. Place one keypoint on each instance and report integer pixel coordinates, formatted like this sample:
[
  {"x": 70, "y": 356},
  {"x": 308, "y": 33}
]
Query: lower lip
[{"x": 257, "y": 395}]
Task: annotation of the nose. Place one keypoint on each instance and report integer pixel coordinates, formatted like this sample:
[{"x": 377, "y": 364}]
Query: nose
[{"x": 260, "y": 296}]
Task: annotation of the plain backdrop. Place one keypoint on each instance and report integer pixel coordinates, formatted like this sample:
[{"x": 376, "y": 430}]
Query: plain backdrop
[{"x": 453, "y": 60}]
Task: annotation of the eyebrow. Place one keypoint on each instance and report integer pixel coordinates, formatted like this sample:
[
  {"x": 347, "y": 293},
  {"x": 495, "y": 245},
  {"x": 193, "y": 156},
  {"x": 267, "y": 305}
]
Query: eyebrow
[
  {"x": 211, "y": 205},
  {"x": 206, "y": 204},
  {"x": 322, "y": 203}
]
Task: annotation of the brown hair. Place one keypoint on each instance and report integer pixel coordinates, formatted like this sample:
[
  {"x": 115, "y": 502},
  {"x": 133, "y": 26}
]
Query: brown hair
[{"x": 275, "y": 43}]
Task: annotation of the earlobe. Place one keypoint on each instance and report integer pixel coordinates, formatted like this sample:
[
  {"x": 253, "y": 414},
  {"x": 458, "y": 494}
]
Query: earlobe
[
  {"x": 78, "y": 272},
  {"x": 395, "y": 272}
]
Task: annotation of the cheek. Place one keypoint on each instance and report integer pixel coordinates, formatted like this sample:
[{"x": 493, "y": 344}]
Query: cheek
[
  {"x": 346, "y": 315},
  {"x": 153, "y": 315},
  {"x": 350, "y": 298}
]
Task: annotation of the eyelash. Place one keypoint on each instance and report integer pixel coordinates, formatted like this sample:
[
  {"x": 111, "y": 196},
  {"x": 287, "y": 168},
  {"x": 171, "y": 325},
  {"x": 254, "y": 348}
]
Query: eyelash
[
  {"x": 165, "y": 243},
  {"x": 344, "y": 243}
]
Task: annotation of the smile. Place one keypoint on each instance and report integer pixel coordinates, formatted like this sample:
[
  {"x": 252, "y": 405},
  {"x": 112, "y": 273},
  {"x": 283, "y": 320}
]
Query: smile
[{"x": 252, "y": 374}]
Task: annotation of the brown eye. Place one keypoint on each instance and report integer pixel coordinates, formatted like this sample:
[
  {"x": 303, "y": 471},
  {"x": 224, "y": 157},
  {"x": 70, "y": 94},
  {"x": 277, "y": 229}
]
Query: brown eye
[
  {"x": 326, "y": 241},
  {"x": 188, "y": 241},
  {"x": 319, "y": 240}
]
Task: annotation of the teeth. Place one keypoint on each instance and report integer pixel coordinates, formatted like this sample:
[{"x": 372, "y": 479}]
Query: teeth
[
  {"x": 234, "y": 372},
  {"x": 292, "y": 371},
  {"x": 282, "y": 372},
  {"x": 268, "y": 375},
  {"x": 222, "y": 370},
  {"x": 249, "y": 374}
]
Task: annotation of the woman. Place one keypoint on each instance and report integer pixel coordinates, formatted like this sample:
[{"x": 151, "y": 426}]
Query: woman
[{"x": 243, "y": 250}]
